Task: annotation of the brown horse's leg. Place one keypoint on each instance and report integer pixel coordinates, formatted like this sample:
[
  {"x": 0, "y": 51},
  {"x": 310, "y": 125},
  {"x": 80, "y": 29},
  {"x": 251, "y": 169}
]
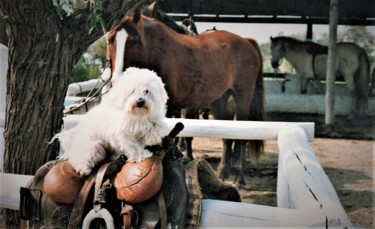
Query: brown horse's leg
[
  {"x": 223, "y": 109},
  {"x": 243, "y": 103},
  {"x": 242, "y": 113},
  {"x": 189, "y": 148},
  {"x": 240, "y": 147},
  {"x": 189, "y": 114},
  {"x": 224, "y": 167}
]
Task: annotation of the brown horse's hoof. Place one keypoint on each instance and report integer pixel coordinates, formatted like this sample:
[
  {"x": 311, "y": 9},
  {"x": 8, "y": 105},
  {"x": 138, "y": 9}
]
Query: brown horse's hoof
[{"x": 223, "y": 172}]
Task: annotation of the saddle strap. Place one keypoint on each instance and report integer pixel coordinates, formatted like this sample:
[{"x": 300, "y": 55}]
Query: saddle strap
[
  {"x": 129, "y": 215},
  {"x": 99, "y": 178},
  {"x": 131, "y": 218},
  {"x": 79, "y": 204},
  {"x": 163, "y": 211}
]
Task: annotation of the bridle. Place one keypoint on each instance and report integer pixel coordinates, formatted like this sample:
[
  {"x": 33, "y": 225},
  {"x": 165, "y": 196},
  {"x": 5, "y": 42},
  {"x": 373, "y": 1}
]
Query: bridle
[{"x": 282, "y": 48}]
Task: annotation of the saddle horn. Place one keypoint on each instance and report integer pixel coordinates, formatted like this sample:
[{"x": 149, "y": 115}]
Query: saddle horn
[
  {"x": 169, "y": 142},
  {"x": 176, "y": 130}
]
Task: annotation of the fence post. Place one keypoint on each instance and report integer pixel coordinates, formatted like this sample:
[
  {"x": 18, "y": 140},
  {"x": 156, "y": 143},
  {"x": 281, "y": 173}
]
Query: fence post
[
  {"x": 306, "y": 185},
  {"x": 3, "y": 76},
  {"x": 331, "y": 63}
]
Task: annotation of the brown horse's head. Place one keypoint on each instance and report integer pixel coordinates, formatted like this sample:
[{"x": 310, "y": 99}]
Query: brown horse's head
[
  {"x": 127, "y": 41},
  {"x": 124, "y": 40}
]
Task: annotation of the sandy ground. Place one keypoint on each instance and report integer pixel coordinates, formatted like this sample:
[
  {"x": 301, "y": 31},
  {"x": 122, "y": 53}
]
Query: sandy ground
[{"x": 349, "y": 165}]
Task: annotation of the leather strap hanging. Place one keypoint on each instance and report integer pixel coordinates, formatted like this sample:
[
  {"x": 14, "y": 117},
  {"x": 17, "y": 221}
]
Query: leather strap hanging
[
  {"x": 131, "y": 218},
  {"x": 163, "y": 211},
  {"x": 79, "y": 204}
]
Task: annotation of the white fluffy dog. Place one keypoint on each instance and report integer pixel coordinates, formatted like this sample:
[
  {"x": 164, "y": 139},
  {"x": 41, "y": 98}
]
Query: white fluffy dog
[{"x": 130, "y": 116}]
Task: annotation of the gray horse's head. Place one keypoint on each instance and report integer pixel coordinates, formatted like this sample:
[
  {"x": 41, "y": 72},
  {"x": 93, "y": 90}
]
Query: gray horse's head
[{"x": 277, "y": 51}]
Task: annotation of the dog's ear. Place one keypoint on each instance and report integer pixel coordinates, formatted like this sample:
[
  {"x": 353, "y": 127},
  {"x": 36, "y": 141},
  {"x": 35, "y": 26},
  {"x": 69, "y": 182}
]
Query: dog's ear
[{"x": 163, "y": 92}]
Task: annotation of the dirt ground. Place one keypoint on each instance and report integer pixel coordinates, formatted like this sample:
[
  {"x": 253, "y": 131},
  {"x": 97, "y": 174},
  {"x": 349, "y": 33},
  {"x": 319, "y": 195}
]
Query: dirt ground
[{"x": 346, "y": 152}]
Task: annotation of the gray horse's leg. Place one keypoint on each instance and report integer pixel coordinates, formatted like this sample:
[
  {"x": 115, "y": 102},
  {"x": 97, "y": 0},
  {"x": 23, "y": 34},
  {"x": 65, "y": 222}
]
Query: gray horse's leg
[
  {"x": 304, "y": 81},
  {"x": 318, "y": 85},
  {"x": 355, "y": 103}
]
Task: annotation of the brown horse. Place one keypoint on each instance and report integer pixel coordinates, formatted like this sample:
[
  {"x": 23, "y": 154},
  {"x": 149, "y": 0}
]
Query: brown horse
[
  {"x": 199, "y": 72},
  {"x": 188, "y": 28}
]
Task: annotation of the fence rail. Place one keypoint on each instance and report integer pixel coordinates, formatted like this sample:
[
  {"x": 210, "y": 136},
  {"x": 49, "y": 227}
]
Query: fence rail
[{"x": 305, "y": 196}]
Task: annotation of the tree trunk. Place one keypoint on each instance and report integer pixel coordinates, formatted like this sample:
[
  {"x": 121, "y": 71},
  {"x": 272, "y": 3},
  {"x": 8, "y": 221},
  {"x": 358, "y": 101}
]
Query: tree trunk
[
  {"x": 43, "y": 48},
  {"x": 39, "y": 68},
  {"x": 37, "y": 80},
  {"x": 3, "y": 37}
]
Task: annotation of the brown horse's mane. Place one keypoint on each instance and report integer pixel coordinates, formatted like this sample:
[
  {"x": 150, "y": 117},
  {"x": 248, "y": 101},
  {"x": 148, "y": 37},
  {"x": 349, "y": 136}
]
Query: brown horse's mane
[{"x": 310, "y": 47}]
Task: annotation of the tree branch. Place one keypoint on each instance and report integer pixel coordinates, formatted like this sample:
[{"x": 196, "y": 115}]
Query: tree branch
[{"x": 111, "y": 15}]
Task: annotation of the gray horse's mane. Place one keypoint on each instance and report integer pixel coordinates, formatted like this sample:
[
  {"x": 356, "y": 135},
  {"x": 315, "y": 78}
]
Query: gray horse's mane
[{"x": 309, "y": 46}]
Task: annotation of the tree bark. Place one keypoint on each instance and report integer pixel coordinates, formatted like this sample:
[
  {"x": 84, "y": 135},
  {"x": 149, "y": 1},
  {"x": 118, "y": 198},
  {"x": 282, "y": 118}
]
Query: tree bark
[
  {"x": 3, "y": 37},
  {"x": 43, "y": 48}
]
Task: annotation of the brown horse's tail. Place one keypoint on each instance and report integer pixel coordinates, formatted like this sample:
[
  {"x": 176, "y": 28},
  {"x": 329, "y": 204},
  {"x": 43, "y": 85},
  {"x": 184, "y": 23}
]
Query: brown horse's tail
[
  {"x": 257, "y": 111},
  {"x": 362, "y": 83}
]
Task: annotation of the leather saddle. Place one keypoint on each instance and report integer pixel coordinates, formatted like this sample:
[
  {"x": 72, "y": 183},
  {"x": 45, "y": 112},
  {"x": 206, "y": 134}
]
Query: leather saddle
[{"x": 97, "y": 205}]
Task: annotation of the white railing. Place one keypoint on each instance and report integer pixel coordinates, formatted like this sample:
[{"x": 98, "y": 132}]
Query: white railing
[
  {"x": 77, "y": 88},
  {"x": 305, "y": 196}
]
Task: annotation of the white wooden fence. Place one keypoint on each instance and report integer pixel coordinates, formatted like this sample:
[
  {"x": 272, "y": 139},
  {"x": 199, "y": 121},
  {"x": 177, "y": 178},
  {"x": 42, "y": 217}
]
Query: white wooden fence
[
  {"x": 305, "y": 196},
  {"x": 276, "y": 101},
  {"x": 77, "y": 88},
  {"x": 3, "y": 73}
]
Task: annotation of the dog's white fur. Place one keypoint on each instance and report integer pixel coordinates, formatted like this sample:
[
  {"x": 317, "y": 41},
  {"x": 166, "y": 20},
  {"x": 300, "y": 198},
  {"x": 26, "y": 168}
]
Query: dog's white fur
[{"x": 118, "y": 124}]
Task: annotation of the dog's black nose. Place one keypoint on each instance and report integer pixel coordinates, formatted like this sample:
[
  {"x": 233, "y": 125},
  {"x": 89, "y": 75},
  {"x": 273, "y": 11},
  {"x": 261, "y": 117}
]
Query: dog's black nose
[{"x": 140, "y": 102}]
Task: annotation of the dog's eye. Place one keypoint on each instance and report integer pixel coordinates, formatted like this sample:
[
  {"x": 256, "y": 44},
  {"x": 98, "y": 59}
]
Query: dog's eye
[
  {"x": 132, "y": 92},
  {"x": 146, "y": 92}
]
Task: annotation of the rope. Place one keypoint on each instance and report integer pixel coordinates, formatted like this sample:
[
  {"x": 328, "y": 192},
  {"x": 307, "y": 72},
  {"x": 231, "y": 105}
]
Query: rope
[{"x": 92, "y": 95}]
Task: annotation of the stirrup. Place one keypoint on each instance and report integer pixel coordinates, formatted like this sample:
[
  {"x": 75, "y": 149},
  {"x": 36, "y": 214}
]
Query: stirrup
[{"x": 98, "y": 210}]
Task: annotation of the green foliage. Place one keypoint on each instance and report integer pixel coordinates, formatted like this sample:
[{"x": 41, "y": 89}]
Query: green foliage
[
  {"x": 266, "y": 54},
  {"x": 98, "y": 50},
  {"x": 84, "y": 71},
  {"x": 93, "y": 20},
  {"x": 90, "y": 64},
  {"x": 66, "y": 8}
]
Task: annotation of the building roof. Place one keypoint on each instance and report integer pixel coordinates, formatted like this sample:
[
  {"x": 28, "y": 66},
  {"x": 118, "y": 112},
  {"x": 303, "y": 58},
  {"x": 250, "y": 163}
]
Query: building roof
[{"x": 351, "y": 12}]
